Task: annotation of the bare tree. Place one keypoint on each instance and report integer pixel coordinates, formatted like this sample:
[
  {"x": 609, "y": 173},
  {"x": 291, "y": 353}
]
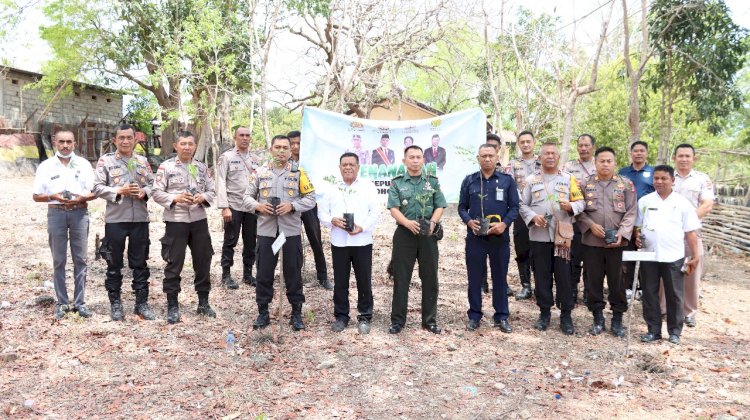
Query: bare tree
[
  {"x": 570, "y": 81},
  {"x": 363, "y": 45}
]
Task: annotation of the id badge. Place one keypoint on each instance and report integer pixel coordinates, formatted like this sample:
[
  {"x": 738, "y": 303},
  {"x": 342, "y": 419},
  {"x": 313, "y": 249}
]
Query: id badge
[{"x": 499, "y": 194}]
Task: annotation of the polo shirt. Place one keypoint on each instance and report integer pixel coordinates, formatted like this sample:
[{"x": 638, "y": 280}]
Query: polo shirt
[{"x": 643, "y": 179}]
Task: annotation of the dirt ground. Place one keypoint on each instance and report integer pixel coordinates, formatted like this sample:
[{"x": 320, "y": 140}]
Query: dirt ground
[{"x": 96, "y": 368}]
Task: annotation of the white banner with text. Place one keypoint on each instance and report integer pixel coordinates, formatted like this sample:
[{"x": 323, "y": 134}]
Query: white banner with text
[{"x": 449, "y": 142}]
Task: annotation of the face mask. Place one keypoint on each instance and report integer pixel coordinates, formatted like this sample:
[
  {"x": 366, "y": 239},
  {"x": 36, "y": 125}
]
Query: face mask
[{"x": 62, "y": 156}]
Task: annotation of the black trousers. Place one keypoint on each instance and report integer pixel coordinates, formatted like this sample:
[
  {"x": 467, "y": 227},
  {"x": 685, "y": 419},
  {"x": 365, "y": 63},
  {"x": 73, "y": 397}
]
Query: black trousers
[
  {"x": 292, "y": 266},
  {"x": 628, "y": 267},
  {"x": 478, "y": 250},
  {"x": 177, "y": 237},
  {"x": 409, "y": 248},
  {"x": 674, "y": 291},
  {"x": 138, "y": 246},
  {"x": 244, "y": 223},
  {"x": 344, "y": 259},
  {"x": 600, "y": 262},
  {"x": 312, "y": 230},
  {"x": 547, "y": 267},
  {"x": 521, "y": 242},
  {"x": 576, "y": 259}
]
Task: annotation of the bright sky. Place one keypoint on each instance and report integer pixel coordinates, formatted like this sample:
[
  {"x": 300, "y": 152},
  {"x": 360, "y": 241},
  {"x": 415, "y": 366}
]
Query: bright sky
[{"x": 26, "y": 50}]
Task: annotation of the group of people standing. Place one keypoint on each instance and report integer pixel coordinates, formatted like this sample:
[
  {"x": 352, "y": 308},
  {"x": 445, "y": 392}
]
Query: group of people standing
[{"x": 566, "y": 222}]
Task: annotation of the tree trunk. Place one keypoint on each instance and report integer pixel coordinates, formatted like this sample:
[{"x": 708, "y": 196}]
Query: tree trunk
[{"x": 568, "y": 113}]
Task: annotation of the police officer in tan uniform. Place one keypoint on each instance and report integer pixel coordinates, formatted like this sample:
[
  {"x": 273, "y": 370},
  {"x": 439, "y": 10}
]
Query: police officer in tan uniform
[
  {"x": 124, "y": 180},
  {"x": 606, "y": 225},
  {"x": 581, "y": 168},
  {"x": 279, "y": 193},
  {"x": 233, "y": 173},
  {"x": 548, "y": 198},
  {"x": 521, "y": 168},
  {"x": 185, "y": 188},
  {"x": 698, "y": 189}
]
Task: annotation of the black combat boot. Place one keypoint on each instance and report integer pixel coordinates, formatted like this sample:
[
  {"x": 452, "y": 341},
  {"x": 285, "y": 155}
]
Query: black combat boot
[
  {"x": 173, "y": 308},
  {"x": 264, "y": 319},
  {"x": 598, "y": 325},
  {"x": 566, "y": 323},
  {"x": 141, "y": 305},
  {"x": 542, "y": 322},
  {"x": 247, "y": 275},
  {"x": 227, "y": 280},
  {"x": 616, "y": 327},
  {"x": 524, "y": 273},
  {"x": 115, "y": 305},
  {"x": 203, "y": 307},
  {"x": 296, "y": 320}
]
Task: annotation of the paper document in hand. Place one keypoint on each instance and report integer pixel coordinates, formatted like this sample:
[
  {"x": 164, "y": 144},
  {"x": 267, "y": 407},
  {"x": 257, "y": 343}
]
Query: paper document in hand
[
  {"x": 278, "y": 243},
  {"x": 638, "y": 256}
]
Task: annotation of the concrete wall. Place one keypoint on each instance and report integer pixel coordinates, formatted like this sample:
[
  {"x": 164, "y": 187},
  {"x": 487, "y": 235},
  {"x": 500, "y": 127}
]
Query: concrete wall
[{"x": 94, "y": 105}]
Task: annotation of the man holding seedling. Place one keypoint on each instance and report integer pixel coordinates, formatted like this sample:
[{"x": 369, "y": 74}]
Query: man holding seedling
[
  {"x": 279, "y": 192},
  {"x": 124, "y": 180},
  {"x": 488, "y": 204},
  {"x": 185, "y": 188},
  {"x": 549, "y": 201},
  {"x": 417, "y": 203}
]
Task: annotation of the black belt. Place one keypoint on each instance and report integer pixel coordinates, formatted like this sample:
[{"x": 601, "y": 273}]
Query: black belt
[{"x": 69, "y": 207}]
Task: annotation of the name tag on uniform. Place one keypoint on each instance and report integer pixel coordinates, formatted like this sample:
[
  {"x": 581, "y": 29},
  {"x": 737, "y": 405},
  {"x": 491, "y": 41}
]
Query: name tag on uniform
[{"x": 499, "y": 194}]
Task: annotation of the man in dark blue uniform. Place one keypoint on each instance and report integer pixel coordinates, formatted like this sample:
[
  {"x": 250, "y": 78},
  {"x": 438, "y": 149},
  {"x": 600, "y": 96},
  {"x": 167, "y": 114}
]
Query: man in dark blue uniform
[
  {"x": 641, "y": 174},
  {"x": 488, "y": 204}
]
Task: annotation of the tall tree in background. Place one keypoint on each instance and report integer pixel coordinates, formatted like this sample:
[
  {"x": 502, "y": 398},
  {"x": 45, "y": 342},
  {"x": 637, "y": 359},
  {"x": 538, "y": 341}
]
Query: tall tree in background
[
  {"x": 574, "y": 77},
  {"x": 635, "y": 73},
  {"x": 360, "y": 47},
  {"x": 168, "y": 48},
  {"x": 700, "y": 50}
]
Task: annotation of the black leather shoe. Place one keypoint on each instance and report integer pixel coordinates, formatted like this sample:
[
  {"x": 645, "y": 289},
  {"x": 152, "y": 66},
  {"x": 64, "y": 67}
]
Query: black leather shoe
[
  {"x": 690, "y": 321},
  {"x": 649, "y": 337},
  {"x": 324, "y": 283},
  {"x": 674, "y": 338},
  {"x": 524, "y": 294},
  {"x": 339, "y": 325},
  {"x": 433, "y": 328},
  {"x": 509, "y": 292},
  {"x": 503, "y": 325},
  {"x": 598, "y": 326},
  {"x": 473, "y": 325},
  {"x": 249, "y": 280},
  {"x": 395, "y": 328},
  {"x": 61, "y": 310}
]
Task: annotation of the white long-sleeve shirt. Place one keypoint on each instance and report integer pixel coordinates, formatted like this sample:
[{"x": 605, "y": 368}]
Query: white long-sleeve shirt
[{"x": 360, "y": 198}]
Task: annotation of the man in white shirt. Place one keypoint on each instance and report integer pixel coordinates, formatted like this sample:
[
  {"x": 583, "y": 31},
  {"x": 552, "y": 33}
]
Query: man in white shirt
[
  {"x": 666, "y": 220},
  {"x": 351, "y": 210},
  {"x": 65, "y": 182}
]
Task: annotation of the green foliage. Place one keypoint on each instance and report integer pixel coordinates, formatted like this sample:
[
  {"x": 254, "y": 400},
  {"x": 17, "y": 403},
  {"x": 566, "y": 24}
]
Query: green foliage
[
  {"x": 445, "y": 78},
  {"x": 699, "y": 50},
  {"x": 311, "y": 7},
  {"x": 141, "y": 111},
  {"x": 280, "y": 121}
]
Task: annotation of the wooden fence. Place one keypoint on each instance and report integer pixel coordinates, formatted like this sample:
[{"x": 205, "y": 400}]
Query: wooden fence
[{"x": 729, "y": 227}]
